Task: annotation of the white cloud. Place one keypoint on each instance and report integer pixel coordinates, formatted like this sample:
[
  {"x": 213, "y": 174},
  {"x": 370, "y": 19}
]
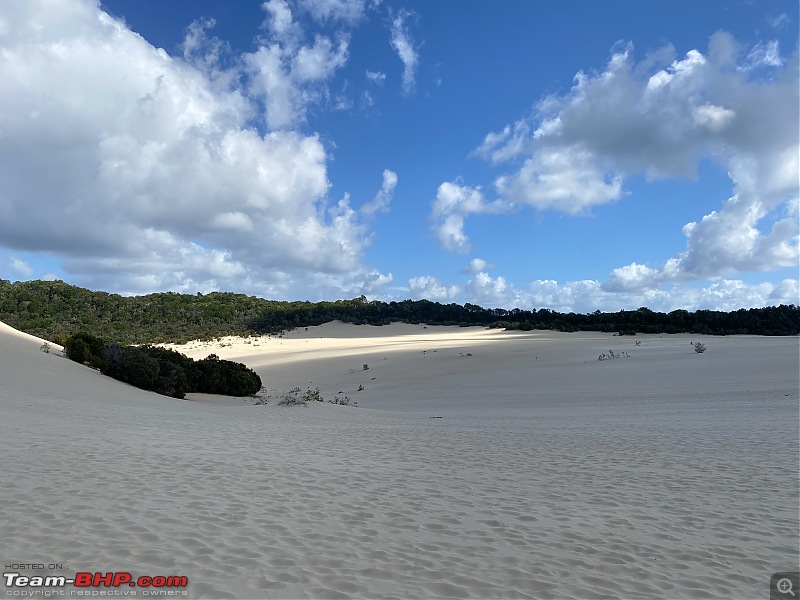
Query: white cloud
[
  {"x": 430, "y": 288},
  {"x": 349, "y": 11},
  {"x": 713, "y": 117},
  {"x": 786, "y": 292},
  {"x": 632, "y": 277},
  {"x": 490, "y": 292},
  {"x": 376, "y": 77},
  {"x": 779, "y": 21},
  {"x": 404, "y": 46},
  {"x": 280, "y": 21},
  {"x": 476, "y": 265},
  {"x": 589, "y": 295},
  {"x": 235, "y": 221},
  {"x": 367, "y": 101},
  {"x": 318, "y": 62},
  {"x": 568, "y": 180},
  {"x": 285, "y": 75},
  {"x": 576, "y": 150},
  {"x": 453, "y": 203},
  {"x": 585, "y": 296},
  {"x": 20, "y": 268},
  {"x": 512, "y": 141},
  {"x": 141, "y": 171},
  {"x": 382, "y": 200},
  {"x": 199, "y": 49},
  {"x": 764, "y": 55}
]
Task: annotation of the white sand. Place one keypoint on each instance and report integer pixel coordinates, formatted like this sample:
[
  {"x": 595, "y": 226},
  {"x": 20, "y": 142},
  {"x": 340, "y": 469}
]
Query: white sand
[{"x": 668, "y": 474}]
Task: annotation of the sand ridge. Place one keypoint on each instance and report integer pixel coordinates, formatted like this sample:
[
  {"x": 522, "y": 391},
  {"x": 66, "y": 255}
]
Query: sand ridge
[{"x": 550, "y": 474}]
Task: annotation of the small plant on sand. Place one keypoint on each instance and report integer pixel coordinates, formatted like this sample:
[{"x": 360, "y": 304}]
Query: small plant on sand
[
  {"x": 638, "y": 343},
  {"x": 360, "y": 388},
  {"x": 45, "y": 348},
  {"x": 698, "y": 347},
  {"x": 292, "y": 398},
  {"x": 312, "y": 395},
  {"x": 343, "y": 401},
  {"x": 611, "y": 354},
  {"x": 296, "y": 397},
  {"x": 365, "y": 367}
]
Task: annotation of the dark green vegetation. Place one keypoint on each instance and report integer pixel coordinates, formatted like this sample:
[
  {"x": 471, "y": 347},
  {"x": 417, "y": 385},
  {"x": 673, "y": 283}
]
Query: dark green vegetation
[
  {"x": 54, "y": 310},
  {"x": 161, "y": 370}
]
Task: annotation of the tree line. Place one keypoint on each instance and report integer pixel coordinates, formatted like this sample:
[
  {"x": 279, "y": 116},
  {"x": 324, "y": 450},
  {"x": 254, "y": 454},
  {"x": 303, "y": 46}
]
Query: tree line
[{"x": 55, "y": 310}]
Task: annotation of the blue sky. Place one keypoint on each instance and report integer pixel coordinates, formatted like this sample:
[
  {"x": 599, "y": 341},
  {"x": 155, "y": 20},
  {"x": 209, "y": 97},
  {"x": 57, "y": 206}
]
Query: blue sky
[{"x": 570, "y": 155}]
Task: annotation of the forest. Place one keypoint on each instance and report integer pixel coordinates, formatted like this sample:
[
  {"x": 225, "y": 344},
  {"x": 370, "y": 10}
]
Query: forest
[{"x": 55, "y": 310}]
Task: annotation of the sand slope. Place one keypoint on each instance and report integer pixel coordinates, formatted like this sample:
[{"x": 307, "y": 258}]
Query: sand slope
[{"x": 550, "y": 474}]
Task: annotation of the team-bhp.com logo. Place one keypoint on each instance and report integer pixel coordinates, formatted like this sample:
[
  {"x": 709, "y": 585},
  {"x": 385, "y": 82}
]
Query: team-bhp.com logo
[{"x": 156, "y": 583}]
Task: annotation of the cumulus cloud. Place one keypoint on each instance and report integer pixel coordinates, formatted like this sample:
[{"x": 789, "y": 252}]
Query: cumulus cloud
[
  {"x": 404, "y": 47},
  {"x": 584, "y": 296},
  {"x": 476, "y": 265},
  {"x": 660, "y": 117},
  {"x": 142, "y": 171},
  {"x": 587, "y": 296},
  {"x": 453, "y": 203},
  {"x": 492, "y": 292},
  {"x": 286, "y": 75},
  {"x": 567, "y": 180},
  {"x": 430, "y": 288}
]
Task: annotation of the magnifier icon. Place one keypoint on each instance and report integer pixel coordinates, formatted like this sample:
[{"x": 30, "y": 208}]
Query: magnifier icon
[{"x": 785, "y": 586}]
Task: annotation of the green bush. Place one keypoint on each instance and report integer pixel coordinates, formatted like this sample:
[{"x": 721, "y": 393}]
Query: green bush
[
  {"x": 163, "y": 371},
  {"x": 139, "y": 369},
  {"x": 84, "y": 348}
]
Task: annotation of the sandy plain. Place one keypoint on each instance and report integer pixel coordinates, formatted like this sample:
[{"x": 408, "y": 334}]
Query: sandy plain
[{"x": 478, "y": 463}]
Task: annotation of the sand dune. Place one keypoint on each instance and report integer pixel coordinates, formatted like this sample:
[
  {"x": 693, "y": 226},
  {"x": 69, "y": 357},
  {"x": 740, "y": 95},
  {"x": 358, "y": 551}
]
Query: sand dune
[{"x": 550, "y": 474}]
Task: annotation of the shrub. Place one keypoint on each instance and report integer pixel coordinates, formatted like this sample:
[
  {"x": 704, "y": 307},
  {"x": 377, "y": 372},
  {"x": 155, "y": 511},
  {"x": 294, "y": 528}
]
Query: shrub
[
  {"x": 611, "y": 354},
  {"x": 365, "y": 367},
  {"x": 312, "y": 395},
  {"x": 162, "y": 370},
  {"x": 292, "y": 398},
  {"x": 343, "y": 401},
  {"x": 215, "y": 376},
  {"x": 84, "y": 348},
  {"x": 45, "y": 347},
  {"x": 698, "y": 347},
  {"x": 139, "y": 368}
]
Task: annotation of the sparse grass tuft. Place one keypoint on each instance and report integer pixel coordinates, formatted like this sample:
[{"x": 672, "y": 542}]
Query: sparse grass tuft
[
  {"x": 297, "y": 397},
  {"x": 611, "y": 354},
  {"x": 343, "y": 401}
]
